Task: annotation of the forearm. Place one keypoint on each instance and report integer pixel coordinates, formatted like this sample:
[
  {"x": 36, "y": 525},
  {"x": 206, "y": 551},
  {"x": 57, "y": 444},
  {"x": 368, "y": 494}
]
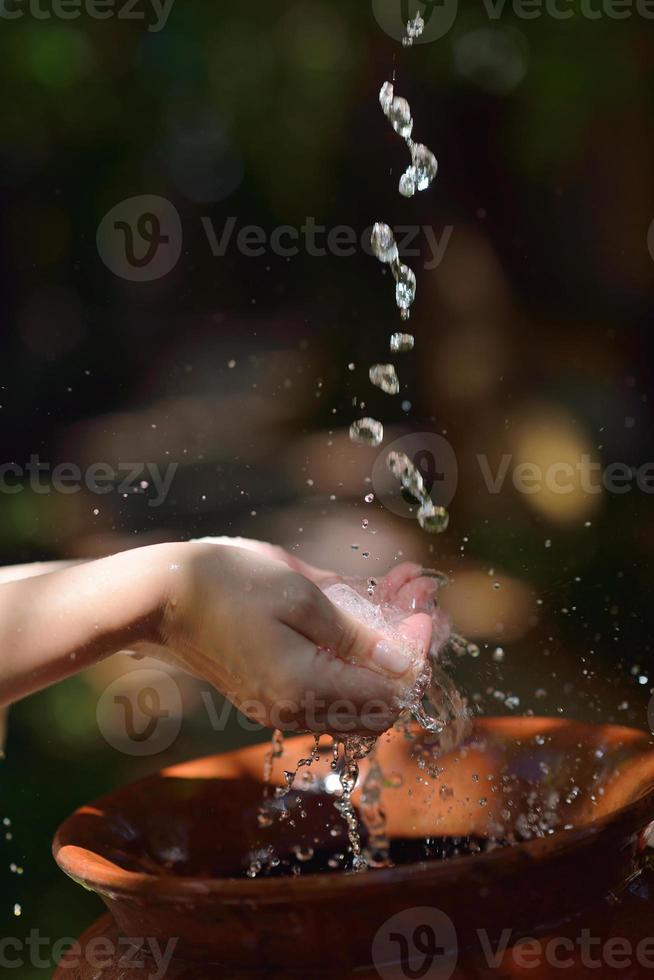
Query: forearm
[
  {"x": 12, "y": 573},
  {"x": 53, "y": 625}
]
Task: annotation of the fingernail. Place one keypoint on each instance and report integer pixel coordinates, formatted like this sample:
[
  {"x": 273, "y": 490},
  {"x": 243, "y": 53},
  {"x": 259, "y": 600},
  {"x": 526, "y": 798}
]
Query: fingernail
[{"x": 391, "y": 658}]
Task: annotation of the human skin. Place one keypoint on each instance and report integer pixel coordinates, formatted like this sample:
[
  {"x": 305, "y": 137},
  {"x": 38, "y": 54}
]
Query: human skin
[{"x": 245, "y": 616}]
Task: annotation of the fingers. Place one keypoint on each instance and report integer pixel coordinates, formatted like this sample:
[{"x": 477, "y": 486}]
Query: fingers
[
  {"x": 392, "y": 583},
  {"x": 376, "y": 694},
  {"x": 317, "y": 691},
  {"x": 330, "y": 628},
  {"x": 418, "y": 629},
  {"x": 417, "y": 595},
  {"x": 359, "y": 644}
]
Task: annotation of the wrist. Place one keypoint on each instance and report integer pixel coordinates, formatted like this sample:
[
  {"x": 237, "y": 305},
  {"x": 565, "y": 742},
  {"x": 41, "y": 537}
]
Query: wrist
[
  {"x": 158, "y": 573},
  {"x": 173, "y": 591}
]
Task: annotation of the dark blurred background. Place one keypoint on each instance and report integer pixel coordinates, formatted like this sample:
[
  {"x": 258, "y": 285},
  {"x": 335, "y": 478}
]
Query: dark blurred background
[{"x": 533, "y": 339}]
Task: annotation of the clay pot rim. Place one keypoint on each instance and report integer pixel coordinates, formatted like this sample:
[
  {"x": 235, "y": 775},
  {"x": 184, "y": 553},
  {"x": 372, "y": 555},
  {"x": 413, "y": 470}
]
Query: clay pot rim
[{"x": 102, "y": 876}]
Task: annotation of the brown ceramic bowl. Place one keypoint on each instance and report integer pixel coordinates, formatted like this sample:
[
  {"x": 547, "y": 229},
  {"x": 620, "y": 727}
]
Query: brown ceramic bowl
[{"x": 569, "y": 803}]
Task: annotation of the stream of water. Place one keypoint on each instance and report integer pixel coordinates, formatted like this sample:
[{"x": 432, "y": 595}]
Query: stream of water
[{"x": 443, "y": 707}]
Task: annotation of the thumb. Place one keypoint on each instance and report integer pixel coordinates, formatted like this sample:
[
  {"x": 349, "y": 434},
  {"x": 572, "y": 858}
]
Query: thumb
[
  {"x": 395, "y": 653},
  {"x": 417, "y": 630}
]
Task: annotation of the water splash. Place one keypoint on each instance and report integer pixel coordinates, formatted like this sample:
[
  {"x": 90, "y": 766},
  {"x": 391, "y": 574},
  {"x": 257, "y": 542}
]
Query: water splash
[
  {"x": 460, "y": 647},
  {"x": 355, "y": 748},
  {"x": 290, "y": 774},
  {"x": 276, "y": 750},
  {"x": 433, "y": 702},
  {"x": 267, "y": 809},
  {"x": 373, "y": 817}
]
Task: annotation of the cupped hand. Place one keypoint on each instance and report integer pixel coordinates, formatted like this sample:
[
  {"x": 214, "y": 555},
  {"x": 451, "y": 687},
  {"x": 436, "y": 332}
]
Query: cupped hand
[{"x": 253, "y": 620}]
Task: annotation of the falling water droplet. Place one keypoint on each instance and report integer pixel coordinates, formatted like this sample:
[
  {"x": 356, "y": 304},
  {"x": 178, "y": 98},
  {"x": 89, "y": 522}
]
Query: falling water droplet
[
  {"x": 432, "y": 518},
  {"x": 408, "y": 183},
  {"x": 401, "y": 467},
  {"x": 425, "y": 166},
  {"x": 367, "y": 432},
  {"x": 397, "y": 110},
  {"x": 399, "y": 115},
  {"x": 414, "y": 29},
  {"x": 386, "y": 97},
  {"x": 384, "y": 376},
  {"x": 401, "y": 343},
  {"x": 383, "y": 243},
  {"x": 422, "y": 171},
  {"x": 405, "y": 292}
]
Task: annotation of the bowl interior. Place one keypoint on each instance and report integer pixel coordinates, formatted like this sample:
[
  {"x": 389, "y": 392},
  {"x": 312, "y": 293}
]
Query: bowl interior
[{"x": 512, "y": 781}]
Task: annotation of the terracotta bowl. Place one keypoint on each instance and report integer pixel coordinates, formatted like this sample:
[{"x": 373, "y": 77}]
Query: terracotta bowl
[{"x": 566, "y": 805}]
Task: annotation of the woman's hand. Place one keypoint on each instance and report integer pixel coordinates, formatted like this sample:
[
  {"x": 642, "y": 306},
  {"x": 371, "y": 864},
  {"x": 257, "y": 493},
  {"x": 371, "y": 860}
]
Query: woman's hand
[
  {"x": 250, "y": 619},
  {"x": 247, "y": 617}
]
